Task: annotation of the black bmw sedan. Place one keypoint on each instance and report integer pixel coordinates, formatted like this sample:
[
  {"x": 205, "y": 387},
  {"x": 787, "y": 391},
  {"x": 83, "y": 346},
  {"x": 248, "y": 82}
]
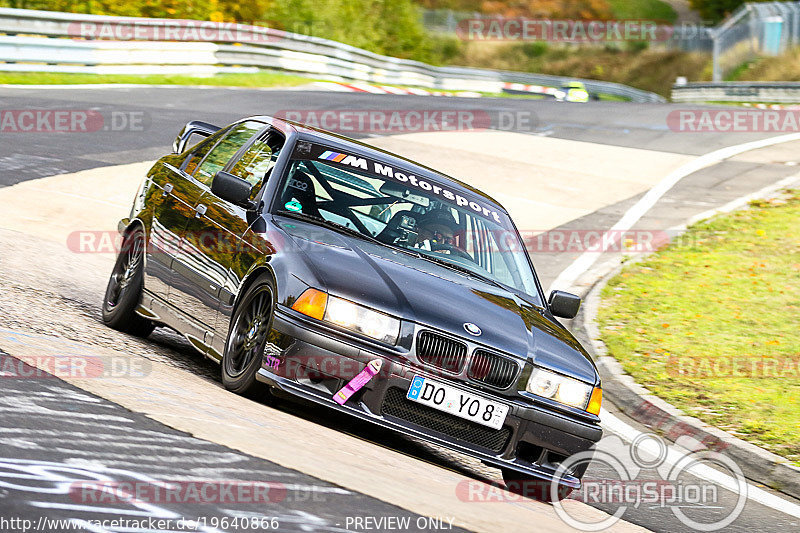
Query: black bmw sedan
[{"x": 334, "y": 272}]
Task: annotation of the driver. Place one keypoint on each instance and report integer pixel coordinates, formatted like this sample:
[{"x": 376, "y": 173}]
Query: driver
[{"x": 437, "y": 231}]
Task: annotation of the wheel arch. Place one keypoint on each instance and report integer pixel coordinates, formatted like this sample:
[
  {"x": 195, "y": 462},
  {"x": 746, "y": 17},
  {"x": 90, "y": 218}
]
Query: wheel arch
[
  {"x": 132, "y": 225},
  {"x": 251, "y": 277}
]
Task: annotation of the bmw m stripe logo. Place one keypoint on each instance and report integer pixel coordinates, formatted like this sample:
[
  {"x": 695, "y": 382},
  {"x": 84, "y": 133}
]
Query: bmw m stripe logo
[{"x": 327, "y": 155}]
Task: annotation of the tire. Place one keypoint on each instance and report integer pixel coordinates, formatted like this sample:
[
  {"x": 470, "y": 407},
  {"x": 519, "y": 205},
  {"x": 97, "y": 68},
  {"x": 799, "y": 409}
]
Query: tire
[
  {"x": 250, "y": 325},
  {"x": 532, "y": 487},
  {"x": 124, "y": 289}
]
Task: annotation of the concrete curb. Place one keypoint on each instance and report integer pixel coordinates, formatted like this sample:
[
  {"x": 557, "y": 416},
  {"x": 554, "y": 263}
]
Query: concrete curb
[{"x": 641, "y": 405}]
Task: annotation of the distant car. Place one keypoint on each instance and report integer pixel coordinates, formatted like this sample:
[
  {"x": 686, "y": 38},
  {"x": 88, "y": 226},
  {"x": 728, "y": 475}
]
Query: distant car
[
  {"x": 573, "y": 91},
  {"x": 296, "y": 257}
]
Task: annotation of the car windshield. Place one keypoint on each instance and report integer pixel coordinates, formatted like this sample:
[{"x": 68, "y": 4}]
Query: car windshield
[{"x": 391, "y": 205}]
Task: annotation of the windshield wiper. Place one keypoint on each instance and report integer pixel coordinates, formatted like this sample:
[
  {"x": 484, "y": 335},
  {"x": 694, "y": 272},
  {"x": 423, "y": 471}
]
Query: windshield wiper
[
  {"x": 329, "y": 223},
  {"x": 461, "y": 269}
]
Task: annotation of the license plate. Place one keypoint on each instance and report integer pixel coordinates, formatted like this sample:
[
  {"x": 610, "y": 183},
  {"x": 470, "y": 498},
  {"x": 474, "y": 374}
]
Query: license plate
[{"x": 457, "y": 402}]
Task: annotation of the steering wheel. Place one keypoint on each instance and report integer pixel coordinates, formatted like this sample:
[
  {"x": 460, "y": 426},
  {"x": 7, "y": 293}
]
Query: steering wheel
[{"x": 438, "y": 247}]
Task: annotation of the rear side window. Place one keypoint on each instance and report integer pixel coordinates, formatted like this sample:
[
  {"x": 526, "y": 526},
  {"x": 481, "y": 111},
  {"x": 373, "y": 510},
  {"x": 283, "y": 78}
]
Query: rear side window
[
  {"x": 199, "y": 151},
  {"x": 219, "y": 156}
]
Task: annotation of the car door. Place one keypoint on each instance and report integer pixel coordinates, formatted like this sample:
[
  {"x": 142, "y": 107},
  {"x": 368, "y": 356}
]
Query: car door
[
  {"x": 254, "y": 165},
  {"x": 169, "y": 217},
  {"x": 198, "y": 271}
]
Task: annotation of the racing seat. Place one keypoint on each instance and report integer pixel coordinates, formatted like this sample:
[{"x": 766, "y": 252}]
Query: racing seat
[{"x": 301, "y": 188}]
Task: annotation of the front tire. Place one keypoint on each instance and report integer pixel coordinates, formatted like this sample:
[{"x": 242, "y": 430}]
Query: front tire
[
  {"x": 124, "y": 289},
  {"x": 244, "y": 349}
]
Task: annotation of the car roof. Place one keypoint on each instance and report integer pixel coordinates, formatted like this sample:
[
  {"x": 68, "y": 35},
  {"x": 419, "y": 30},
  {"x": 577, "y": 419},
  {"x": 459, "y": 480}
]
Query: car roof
[{"x": 335, "y": 140}]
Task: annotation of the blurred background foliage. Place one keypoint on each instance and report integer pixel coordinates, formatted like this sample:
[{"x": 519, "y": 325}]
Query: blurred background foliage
[
  {"x": 391, "y": 27},
  {"x": 395, "y": 28}
]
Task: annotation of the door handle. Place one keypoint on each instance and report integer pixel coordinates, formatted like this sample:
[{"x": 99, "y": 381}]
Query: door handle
[
  {"x": 200, "y": 210},
  {"x": 167, "y": 189}
]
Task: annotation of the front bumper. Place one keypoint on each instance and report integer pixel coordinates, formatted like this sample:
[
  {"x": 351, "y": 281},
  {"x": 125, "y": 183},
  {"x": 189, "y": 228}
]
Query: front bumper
[{"x": 311, "y": 364}]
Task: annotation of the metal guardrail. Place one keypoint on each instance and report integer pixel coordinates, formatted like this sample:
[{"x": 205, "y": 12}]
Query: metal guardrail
[
  {"x": 743, "y": 91},
  {"x": 254, "y": 47}
]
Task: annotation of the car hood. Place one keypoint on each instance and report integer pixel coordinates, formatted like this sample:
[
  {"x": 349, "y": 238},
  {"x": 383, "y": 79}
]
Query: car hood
[{"x": 437, "y": 297}]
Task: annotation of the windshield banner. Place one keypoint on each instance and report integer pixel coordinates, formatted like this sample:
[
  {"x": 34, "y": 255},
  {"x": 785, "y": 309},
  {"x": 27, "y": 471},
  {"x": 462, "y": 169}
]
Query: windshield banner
[{"x": 309, "y": 151}]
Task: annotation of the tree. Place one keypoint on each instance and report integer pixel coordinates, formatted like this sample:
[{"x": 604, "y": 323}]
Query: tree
[{"x": 716, "y": 10}]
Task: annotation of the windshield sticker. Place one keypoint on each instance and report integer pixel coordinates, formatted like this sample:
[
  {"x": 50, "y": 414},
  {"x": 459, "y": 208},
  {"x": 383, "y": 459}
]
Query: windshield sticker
[
  {"x": 382, "y": 170},
  {"x": 294, "y": 205}
]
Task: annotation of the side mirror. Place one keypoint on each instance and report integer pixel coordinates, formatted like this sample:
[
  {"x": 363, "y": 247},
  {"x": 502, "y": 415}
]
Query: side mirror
[
  {"x": 232, "y": 189},
  {"x": 563, "y": 304}
]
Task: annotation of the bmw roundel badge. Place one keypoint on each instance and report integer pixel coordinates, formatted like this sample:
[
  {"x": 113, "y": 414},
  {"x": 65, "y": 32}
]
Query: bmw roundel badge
[{"x": 472, "y": 329}]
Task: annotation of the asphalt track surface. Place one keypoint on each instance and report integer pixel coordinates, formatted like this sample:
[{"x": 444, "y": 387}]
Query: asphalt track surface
[
  {"x": 61, "y": 428},
  {"x": 28, "y": 156}
]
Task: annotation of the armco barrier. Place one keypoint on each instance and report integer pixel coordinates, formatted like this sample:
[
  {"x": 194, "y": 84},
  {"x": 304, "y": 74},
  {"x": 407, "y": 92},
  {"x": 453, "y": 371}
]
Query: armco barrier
[
  {"x": 737, "y": 91},
  {"x": 257, "y": 47}
]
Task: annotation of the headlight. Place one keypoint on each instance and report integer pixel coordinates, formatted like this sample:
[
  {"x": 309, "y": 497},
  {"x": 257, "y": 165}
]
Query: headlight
[
  {"x": 348, "y": 315},
  {"x": 559, "y": 388}
]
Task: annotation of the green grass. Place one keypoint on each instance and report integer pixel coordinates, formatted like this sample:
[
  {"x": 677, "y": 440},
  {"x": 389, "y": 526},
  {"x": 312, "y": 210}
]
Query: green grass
[
  {"x": 643, "y": 9},
  {"x": 729, "y": 288},
  {"x": 260, "y": 79}
]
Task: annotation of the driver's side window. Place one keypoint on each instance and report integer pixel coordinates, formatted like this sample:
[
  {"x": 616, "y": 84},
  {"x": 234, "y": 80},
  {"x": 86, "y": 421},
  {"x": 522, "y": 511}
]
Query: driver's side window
[{"x": 257, "y": 161}]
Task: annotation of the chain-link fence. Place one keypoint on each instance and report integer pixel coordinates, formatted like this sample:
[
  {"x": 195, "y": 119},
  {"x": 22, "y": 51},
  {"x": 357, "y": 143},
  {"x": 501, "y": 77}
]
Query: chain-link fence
[{"x": 755, "y": 29}]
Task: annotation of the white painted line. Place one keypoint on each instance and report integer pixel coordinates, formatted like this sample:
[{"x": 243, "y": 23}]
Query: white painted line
[
  {"x": 311, "y": 488},
  {"x": 331, "y": 86},
  {"x": 89, "y": 508},
  {"x": 585, "y": 261},
  {"x": 393, "y": 90},
  {"x": 629, "y": 433},
  {"x": 570, "y": 275},
  {"x": 418, "y": 92}
]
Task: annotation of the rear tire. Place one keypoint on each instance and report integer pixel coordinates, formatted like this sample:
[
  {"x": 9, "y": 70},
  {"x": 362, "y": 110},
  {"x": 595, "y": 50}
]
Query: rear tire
[
  {"x": 244, "y": 348},
  {"x": 124, "y": 290}
]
